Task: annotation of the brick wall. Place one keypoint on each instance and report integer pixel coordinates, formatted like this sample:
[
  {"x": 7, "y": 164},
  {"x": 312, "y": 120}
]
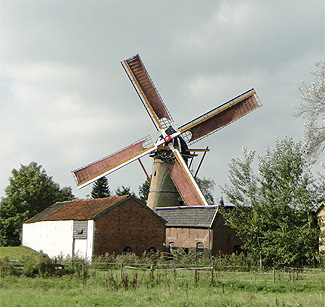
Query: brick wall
[
  {"x": 129, "y": 224},
  {"x": 221, "y": 239},
  {"x": 224, "y": 237},
  {"x": 189, "y": 237}
]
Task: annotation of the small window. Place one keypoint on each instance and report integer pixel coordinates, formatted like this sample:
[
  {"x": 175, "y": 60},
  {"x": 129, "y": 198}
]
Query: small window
[
  {"x": 199, "y": 247},
  {"x": 80, "y": 229},
  {"x": 127, "y": 249},
  {"x": 171, "y": 244}
]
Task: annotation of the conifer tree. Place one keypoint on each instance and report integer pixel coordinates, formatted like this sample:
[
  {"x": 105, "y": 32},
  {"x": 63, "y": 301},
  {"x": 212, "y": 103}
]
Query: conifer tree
[
  {"x": 120, "y": 191},
  {"x": 100, "y": 188}
]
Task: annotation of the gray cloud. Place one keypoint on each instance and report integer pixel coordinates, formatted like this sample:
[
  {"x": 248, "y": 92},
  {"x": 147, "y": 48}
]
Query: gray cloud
[{"x": 65, "y": 100}]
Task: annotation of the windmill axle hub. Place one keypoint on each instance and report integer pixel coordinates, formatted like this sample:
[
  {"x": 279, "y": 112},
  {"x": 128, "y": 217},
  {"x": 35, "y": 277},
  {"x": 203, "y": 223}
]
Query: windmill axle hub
[{"x": 167, "y": 138}]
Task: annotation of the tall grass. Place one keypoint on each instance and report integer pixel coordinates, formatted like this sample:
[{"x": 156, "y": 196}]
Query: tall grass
[
  {"x": 151, "y": 280},
  {"x": 161, "y": 288}
]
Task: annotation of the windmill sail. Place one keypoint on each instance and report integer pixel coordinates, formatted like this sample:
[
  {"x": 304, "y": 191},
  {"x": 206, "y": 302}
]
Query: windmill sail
[
  {"x": 174, "y": 171},
  {"x": 184, "y": 182},
  {"x": 147, "y": 92},
  {"x": 107, "y": 165},
  {"x": 219, "y": 117}
]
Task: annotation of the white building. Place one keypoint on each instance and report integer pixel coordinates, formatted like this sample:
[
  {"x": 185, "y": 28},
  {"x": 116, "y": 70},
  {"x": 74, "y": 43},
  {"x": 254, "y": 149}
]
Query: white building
[{"x": 85, "y": 228}]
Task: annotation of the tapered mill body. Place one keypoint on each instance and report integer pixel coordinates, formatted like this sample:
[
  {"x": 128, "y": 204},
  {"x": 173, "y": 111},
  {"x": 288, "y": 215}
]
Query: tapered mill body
[
  {"x": 163, "y": 192},
  {"x": 172, "y": 182}
]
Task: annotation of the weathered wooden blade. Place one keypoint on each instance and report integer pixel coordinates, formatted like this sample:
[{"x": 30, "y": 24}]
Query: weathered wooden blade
[
  {"x": 184, "y": 182},
  {"x": 219, "y": 117},
  {"x": 147, "y": 92},
  {"x": 107, "y": 165}
]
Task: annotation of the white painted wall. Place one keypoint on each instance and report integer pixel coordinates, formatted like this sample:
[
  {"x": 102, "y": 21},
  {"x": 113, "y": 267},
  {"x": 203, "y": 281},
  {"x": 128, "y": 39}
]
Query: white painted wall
[
  {"x": 55, "y": 238},
  {"x": 90, "y": 240},
  {"x": 80, "y": 248}
]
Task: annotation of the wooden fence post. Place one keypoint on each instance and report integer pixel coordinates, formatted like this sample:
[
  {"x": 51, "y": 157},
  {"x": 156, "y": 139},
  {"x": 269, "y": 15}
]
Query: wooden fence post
[
  {"x": 212, "y": 281},
  {"x": 83, "y": 272},
  {"x": 122, "y": 270}
]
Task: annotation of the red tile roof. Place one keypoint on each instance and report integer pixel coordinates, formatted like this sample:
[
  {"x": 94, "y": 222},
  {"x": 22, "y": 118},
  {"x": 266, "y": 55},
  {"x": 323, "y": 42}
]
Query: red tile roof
[{"x": 82, "y": 209}]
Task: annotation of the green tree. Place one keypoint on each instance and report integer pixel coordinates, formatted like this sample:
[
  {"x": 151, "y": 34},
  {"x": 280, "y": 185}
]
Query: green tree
[
  {"x": 273, "y": 211},
  {"x": 144, "y": 190},
  {"x": 123, "y": 191},
  {"x": 312, "y": 108},
  {"x": 206, "y": 186},
  {"x": 30, "y": 191},
  {"x": 100, "y": 188}
]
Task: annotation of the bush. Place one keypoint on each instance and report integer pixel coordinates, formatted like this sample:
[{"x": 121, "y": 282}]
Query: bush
[
  {"x": 42, "y": 266},
  {"x": 75, "y": 265},
  {"x": 7, "y": 268},
  {"x": 234, "y": 262}
]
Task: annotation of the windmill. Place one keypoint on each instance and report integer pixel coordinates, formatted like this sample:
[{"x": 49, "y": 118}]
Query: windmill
[{"x": 171, "y": 178}]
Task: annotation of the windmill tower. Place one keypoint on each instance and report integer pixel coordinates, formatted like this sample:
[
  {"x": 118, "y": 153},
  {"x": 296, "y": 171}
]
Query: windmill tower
[{"x": 172, "y": 180}]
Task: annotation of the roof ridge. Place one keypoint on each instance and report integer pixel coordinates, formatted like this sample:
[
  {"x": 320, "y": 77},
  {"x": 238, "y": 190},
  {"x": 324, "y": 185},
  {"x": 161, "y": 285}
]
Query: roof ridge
[
  {"x": 76, "y": 209},
  {"x": 187, "y": 207}
]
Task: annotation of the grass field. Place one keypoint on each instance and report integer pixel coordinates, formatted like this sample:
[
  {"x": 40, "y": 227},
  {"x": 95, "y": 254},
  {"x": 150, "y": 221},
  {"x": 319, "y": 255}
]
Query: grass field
[
  {"x": 162, "y": 287},
  {"x": 63, "y": 292},
  {"x": 185, "y": 288},
  {"x": 17, "y": 252}
]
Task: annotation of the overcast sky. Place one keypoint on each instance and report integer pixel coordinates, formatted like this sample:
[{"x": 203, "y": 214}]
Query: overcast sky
[{"x": 65, "y": 100}]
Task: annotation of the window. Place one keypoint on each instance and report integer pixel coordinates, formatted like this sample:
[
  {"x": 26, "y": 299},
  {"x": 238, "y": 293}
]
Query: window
[
  {"x": 80, "y": 229},
  {"x": 199, "y": 249}
]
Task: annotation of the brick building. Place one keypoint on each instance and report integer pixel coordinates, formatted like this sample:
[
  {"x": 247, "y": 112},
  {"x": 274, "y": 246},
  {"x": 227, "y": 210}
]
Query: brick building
[
  {"x": 95, "y": 227},
  {"x": 199, "y": 229}
]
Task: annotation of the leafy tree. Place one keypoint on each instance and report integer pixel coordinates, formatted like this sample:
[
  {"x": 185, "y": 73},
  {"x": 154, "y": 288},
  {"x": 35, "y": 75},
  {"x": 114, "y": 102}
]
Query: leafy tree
[
  {"x": 30, "y": 191},
  {"x": 144, "y": 190},
  {"x": 312, "y": 108},
  {"x": 100, "y": 188},
  {"x": 123, "y": 191},
  {"x": 273, "y": 211},
  {"x": 206, "y": 186}
]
